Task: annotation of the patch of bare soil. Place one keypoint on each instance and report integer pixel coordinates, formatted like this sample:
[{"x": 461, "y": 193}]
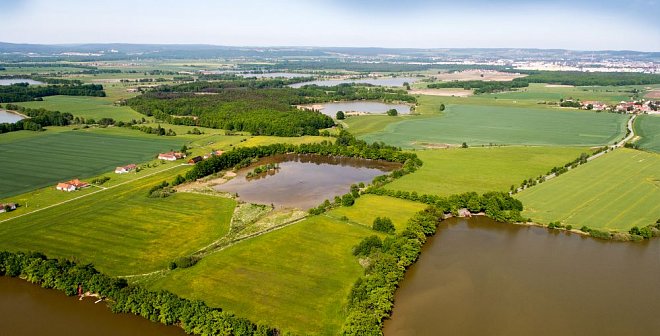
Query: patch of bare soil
[
  {"x": 654, "y": 94},
  {"x": 559, "y": 86},
  {"x": 442, "y": 92},
  {"x": 484, "y": 75}
]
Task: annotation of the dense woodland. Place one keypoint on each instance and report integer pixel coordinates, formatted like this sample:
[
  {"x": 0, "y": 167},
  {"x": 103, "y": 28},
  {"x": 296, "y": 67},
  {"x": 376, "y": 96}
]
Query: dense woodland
[
  {"x": 21, "y": 92},
  {"x": 481, "y": 86},
  {"x": 158, "y": 306},
  {"x": 261, "y": 107}
]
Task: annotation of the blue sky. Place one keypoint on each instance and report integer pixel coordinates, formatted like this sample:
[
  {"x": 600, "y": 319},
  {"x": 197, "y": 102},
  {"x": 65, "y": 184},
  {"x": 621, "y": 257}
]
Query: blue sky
[{"x": 582, "y": 25}]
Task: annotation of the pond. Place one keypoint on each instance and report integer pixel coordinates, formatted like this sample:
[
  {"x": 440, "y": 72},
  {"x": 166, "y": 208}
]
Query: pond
[
  {"x": 275, "y": 75},
  {"x": 304, "y": 181},
  {"x": 9, "y": 117},
  {"x": 27, "y": 309},
  {"x": 389, "y": 81},
  {"x": 360, "y": 107},
  {"x": 479, "y": 277},
  {"x": 10, "y": 81}
]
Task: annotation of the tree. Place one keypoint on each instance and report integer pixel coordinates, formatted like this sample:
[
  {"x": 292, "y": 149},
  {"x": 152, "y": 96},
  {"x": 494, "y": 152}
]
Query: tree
[
  {"x": 347, "y": 200},
  {"x": 383, "y": 224},
  {"x": 442, "y": 107},
  {"x": 392, "y": 112},
  {"x": 340, "y": 115},
  {"x": 464, "y": 145}
]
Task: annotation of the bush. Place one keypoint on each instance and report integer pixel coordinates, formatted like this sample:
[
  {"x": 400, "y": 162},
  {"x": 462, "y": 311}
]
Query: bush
[
  {"x": 347, "y": 200},
  {"x": 383, "y": 224},
  {"x": 367, "y": 245},
  {"x": 600, "y": 234}
]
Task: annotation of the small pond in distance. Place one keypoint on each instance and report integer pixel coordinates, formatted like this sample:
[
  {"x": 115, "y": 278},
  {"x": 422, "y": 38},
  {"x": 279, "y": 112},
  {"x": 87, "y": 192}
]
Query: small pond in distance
[
  {"x": 480, "y": 277},
  {"x": 9, "y": 117},
  {"x": 392, "y": 81},
  {"x": 331, "y": 109},
  {"x": 10, "y": 81},
  {"x": 275, "y": 75},
  {"x": 304, "y": 181}
]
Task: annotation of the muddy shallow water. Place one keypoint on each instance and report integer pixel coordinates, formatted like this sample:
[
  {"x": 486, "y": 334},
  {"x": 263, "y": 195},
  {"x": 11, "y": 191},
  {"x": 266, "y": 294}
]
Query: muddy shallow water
[
  {"x": 27, "y": 309},
  {"x": 304, "y": 181},
  {"x": 479, "y": 277}
]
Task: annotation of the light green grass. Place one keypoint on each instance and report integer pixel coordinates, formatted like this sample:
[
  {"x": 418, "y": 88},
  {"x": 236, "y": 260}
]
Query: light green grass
[
  {"x": 296, "y": 279},
  {"x": 614, "y": 192},
  {"x": 368, "y": 207},
  {"x": 458, "y": 170},
  {"x": 86, "y": 107},
  {"x": 647, "y": 127},
  {"x": 479, "y": 125},
  {"x": 269, "y": 140},
  {"x": 120, "y": 230},
  {"x": 43, "y": 160}
]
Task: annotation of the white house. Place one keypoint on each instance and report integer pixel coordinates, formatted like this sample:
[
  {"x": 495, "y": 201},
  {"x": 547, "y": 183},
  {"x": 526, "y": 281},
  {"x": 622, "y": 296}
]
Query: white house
[{"x": 125, "y": 169}]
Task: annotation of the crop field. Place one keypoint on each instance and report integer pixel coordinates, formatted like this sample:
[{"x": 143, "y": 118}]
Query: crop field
[
  {"x": 121, "y": 230},
  {"x": 86, "y": 107},
  {"x": 38, "y": 161},
  {"x": 615, "y": 192},
  {"x": 296, "y": 279},
  {"x": 458, "y": 170},
  {"x": 647, "y": 127},
  {"x": 483, "y": 125},
  {"x": 368, "y": 207}
]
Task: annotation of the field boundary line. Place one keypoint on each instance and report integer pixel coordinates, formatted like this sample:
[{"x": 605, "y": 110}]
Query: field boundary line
[{"x": 92, "y": 193}]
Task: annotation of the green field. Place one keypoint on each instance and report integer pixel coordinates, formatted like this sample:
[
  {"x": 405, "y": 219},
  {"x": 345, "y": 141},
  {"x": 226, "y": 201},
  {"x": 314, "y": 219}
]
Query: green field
[
  {"x": 458, "y": 170},
  {"x": 371, "y": 206},
  {"x": 615, "y": 192},
  {"x": 478, "y": 125},
  {"x": 296, "y": 279},
  {"x": 647, "y": 127},
  {"x": 121, "y": 230},
  {"x": 86, "y": 107},
  {"x": 42, "y": 159}
]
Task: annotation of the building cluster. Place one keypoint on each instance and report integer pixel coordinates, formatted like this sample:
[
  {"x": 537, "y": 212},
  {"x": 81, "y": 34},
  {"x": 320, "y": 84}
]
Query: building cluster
[
  {"x": 171, "y": 156},
  {"x": 72, "y": 185},
  {"x": 634, "y": 107}
]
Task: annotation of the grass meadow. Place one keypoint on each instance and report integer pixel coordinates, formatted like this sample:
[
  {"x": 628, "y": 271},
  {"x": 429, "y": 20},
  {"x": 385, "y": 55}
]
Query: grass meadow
[
  {"x": 296, "y": 279},
  {"x": 121, "y": 230},
  {"x": 647, "y": 127},
  {"x": 42, "y": 159},
  {"x": 614, "y": 192},
  {"x": 86, "y": 107},
  {"x": 371, "y": 206},
  {"x": 483, "y": 125},
  {"x": 481, "y": 169}
]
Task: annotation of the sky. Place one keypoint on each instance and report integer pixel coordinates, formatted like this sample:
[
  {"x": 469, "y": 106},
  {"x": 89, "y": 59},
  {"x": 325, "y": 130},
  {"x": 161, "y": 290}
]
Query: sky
[{"x": 577, "y": 24}]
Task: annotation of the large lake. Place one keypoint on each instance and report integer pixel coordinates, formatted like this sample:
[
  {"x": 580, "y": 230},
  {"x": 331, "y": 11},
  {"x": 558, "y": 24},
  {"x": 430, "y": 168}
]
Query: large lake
[
  {"x": 11, "y": 81},
  {"x": 395, "y": 81},
  {"x": 275, "y": 75},
  {"x": 8, "y": 117},
  {"x": 304, "y": 181},
  {"x": 331, "y": 109},
  {"x": 27, "y": 309},
  {"x": 479, "y": 277}
]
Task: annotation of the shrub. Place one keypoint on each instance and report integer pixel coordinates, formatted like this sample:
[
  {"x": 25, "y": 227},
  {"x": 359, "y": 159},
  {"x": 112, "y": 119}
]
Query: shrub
[
  {"x": 367, "y": 245},
  {"x": 383, "y": 224}
]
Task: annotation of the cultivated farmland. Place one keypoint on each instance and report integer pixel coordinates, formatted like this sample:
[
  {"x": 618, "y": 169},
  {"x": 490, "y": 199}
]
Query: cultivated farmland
[
  {"x": 459, "y": 170},
  {"x": 38, "y": 161},
  {"x": 121, "y": 230},
  {"x": 483, "y": 125},
  {"x": 615, "y": 192},
  {"x": 647, "y": 127}
]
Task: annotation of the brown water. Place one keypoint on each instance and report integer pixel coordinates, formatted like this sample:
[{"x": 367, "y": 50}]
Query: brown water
[
  {"x": 479, "y": 277},
  {"x": 27, "y": 309},
  {"x": 304, "y": 181}
]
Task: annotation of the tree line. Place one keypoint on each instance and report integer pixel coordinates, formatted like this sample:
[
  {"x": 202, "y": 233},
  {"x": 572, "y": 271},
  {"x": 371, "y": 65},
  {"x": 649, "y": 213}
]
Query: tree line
[
  {"x": 480, "y": 86},
  {"x": 38, "y": 119},
  {"x": 193, "y": 316},
  {"x": 579, "y": 78},
  {"x": 21, "y": 92}
]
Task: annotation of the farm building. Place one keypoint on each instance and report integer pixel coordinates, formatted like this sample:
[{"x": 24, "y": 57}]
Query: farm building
[
  {"x": 5, "y": 207},
  {"x": 195, "y": 160},
  {"x": 171, "y": 156},
  {"x": 595, "y": 105},
  {"x": 125, "y": 169},
  {"x": 72, "y": 185},
  {"x": 214, "y": 153}
]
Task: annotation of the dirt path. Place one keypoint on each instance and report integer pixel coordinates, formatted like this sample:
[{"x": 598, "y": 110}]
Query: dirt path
[{"x": 92, "y": 193}]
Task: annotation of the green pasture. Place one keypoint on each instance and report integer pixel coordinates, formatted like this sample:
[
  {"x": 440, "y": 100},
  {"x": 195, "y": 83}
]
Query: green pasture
[
  {"x": 368, "y": 207},
  {"x": 647, "y": 127},
  {"x": 483, "y": 125},
  {"x": 481, "y": 169},
  {"x": 38, "y": 161},
  {"x": 86, "y": 107},
  {"x": 121, "y": 230},
  {"x": 296, "y": 279},
  {"x": 614, "y": 192}
]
